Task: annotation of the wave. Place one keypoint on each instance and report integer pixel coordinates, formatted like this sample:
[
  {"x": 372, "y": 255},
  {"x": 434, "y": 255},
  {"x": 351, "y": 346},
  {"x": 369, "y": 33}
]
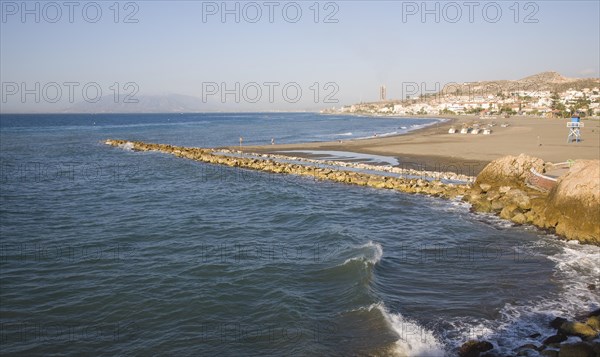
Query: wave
[
  {"x": 404, "y": 130},
  {"x": 577, "y": 259},
  {"x": 387, "y": 134},
  {"x": 457, "y": 206},
  {"x": 413, "y": 340},
  {"x": 377, "y": 135},
  {"x": 333, "y": 135},
  {"x": 127, "y": 146},
  {"x": 576, "y": 268},
  {"x": 370, "y": 254}
]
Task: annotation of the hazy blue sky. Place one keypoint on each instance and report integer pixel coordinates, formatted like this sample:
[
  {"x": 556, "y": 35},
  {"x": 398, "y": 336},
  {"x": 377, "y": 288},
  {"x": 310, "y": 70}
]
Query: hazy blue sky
[{"x": 183, "y": 46}]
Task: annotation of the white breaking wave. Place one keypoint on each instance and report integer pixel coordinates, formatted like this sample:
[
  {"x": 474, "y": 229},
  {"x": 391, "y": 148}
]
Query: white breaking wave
[
  {"x": 577, "y": 260},
  {"x": 371, "y": 254},
  {"x": 127, "y": 146},
  {"x": 414, "y": 340},
  {"x": 576, "y": 267}
]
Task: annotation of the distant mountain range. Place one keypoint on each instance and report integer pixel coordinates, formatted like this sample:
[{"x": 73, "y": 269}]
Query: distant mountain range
[{"x": 170, "y": 103}]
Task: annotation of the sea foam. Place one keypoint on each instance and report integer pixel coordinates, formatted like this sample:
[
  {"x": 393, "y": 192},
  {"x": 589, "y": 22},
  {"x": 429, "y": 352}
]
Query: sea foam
[
  {"x": 576, "y": 267},
  {"x": 370, "y": 253},
  {"x": 414, "y": 340},
  {"x": 126, "y": 146}
]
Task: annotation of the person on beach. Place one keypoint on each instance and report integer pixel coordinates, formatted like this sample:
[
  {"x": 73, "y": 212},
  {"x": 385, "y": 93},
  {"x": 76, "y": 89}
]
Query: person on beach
[
  {"x": 241, "y": 141},
  {"x": 272, "y": 141}
]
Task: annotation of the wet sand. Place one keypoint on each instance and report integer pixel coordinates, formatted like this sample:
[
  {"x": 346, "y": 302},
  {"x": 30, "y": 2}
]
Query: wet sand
[{"x": 433, "y": 149}]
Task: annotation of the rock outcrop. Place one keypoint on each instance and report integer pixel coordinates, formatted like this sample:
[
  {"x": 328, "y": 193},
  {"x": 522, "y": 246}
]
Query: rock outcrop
[
  {"x": 474, "y": 348},
  {"x": 574, "y": 203},
  {"x": 509, "y": 171},
  {"x": 571, "y": 209}
]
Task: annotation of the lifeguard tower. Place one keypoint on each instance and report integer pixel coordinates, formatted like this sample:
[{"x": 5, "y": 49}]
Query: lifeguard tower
[{"x": 574, "y": 129}]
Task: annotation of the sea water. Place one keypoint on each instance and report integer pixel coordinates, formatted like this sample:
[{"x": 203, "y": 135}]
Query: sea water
[{"x": 107, "y": 251}]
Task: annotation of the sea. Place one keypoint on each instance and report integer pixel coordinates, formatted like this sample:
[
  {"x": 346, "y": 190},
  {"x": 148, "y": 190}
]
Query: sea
[{"x": 105, "y": 251}]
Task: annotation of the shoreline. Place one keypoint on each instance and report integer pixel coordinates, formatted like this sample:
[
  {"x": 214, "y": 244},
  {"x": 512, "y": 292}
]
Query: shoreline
[
  {"x": 513, "y": 203},
  {"x": 417, "y": 162},
  {"x": 432, "y": 149}
]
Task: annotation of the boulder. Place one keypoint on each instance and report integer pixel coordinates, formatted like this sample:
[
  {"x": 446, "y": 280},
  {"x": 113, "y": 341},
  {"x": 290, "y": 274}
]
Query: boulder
[
  {"x": 576, "y": 350},
  {"x": 517, "y": 197},
  {"x": 481, "y": 205},
  {"x": 485, "y": 187},
  {"x": 549, "y": 353},
  {"x": 509, "y": 171},
  {"x": 519, "y": 218},
  {"x": 555, "y": 339},
  {"x": 497, "y": 206},
  {"x": 574, "y": 203},
  {"x": 530, "y": 216},
  {"x": 529, "y": 346},
  {"x": 593, "y": 322},
  {"x": 474, "y": 348},
  {"x": 571, "y": 208},
  {"x": 540, "y": 221},
  {"x": 509, "y": 211},
  {"x": 493, "y": 196},
  {"x": 527, "y": 353},
  {"x": 578, "y": 329}
]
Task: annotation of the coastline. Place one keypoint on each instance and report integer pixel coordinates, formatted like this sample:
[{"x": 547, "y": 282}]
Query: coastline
[
  {"x": 431, "y": 148},
  {"x": 517, "y": 204}
]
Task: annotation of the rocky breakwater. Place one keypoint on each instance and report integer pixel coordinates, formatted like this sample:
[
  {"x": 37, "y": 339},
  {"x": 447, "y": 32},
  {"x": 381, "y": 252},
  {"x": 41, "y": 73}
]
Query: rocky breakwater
[
  {"x": 571, "y": 208},
  {"x": 211, "y": 156},
  {"x": 383, "y": 169}
]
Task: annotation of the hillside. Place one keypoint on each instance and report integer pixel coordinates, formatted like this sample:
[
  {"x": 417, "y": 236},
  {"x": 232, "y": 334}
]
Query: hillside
[{"x": 545, "y": 81}]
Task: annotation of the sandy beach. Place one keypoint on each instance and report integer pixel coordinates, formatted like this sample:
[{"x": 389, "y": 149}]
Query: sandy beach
[{"x": 433, "y": 148}]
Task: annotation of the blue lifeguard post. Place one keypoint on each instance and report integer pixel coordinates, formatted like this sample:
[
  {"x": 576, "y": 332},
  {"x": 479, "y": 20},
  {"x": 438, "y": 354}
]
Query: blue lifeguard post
[{"x": 574, "y": 129}]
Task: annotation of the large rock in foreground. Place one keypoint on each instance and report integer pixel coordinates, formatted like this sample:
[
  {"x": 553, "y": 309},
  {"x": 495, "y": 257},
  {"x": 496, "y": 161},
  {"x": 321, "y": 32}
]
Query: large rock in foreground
[
  {"x": 509, "y": 170},
  {"x": 574, "y": 203},
  {"x": 571, "y": 208}
]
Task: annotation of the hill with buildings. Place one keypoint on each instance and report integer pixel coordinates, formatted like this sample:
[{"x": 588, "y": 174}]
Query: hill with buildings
[{"x": 542, "y": 94}]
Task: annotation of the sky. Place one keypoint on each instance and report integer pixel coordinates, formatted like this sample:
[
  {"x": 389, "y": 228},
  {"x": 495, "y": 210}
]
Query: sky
[{"x": 281, "y": 55}]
